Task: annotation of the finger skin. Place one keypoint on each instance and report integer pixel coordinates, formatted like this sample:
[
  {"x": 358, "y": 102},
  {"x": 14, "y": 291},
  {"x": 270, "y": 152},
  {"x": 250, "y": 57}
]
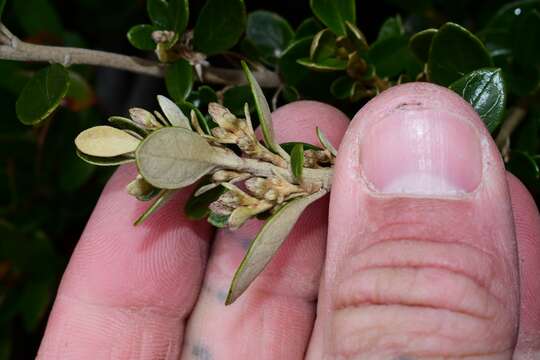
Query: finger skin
[
  {"x": 128, "y": 290},
  {"x": 527, "y": 221},
  {"x": 418, "y": 275},
  {"x": 273, "y": 319}
]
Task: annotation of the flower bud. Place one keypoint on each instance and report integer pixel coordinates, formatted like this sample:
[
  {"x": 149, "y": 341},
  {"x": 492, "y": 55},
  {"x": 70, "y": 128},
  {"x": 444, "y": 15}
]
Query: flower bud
[
  {"x": 163, "y": 36},
  {"x": 144, "y": 118}
]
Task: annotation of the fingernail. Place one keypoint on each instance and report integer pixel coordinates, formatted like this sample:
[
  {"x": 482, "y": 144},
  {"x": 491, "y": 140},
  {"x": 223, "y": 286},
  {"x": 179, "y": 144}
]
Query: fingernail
[{"x": 421, "y": 151}]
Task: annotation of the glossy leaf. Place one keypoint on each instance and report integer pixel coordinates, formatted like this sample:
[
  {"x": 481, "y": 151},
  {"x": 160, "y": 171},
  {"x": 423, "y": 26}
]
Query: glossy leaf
[
  {"x": 391, "y": 28},
  {"x": 292, "y": 72},
  {"x": 173, "y": 113},
  {"x": 334, "y": 13},
  {"x": 105, "y": 141},
  {"x": 128, "y": 124},
  {"x": 325, "y": 142},
  {"x": 140, "y": 36},
  {"x": 179, "y": 79},
  {"x": 392, "y": 57},
  {"x": 196, "y": 207},
  {"x": 484, "y": 89},
  {"x": 420, "y": 43},
  {"x": 323, "y": 46},
  {"x": 158, "y": 11},
  {"x": 42, "y": 94},
  {"x": 172, "y": 158},
  {"x": 308, "y": 28},
  {"x": 178, "y": 15},
  {"x": 235, "y": 97},
  {"x": 80, "y": 95},
  {"x": 357, "y": 37},
  {"x": 297, "y": 161},
  {"x": 455, "y": 52},
  {"x": 265, "y": 245},
  {"x": 526, "y": 47},
  {"x": 343, "y": 87},
  {"x": 269, "y": 33},
  {"x": 219, "y": 26},
  {"x": 106, "y": 161},
  {"x": 161, "y": 200}
]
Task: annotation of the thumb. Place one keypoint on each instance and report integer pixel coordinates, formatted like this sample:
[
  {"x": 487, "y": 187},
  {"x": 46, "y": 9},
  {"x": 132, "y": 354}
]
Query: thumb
[{"x": 421, "y": 255}]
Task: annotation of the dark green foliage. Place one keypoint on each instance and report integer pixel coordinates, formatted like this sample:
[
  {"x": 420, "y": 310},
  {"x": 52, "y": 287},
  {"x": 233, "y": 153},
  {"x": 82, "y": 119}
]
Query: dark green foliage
[{"x": 48, "y": 192}]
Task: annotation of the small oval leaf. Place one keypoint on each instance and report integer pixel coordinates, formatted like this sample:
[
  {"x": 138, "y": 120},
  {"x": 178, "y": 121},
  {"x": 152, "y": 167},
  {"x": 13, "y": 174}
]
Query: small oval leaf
[
  {"x": 219, "y": 26},
  {"x": 172, "y": 158},
  {"x": 161, "y": 200},
  {"x": 269, "y": 33},
  {"x": 334, "y": 13},
  {"x": 420, "y": 43},
  {"x": 484, "y": 89},
  {"x": 158, "y": 11},
  {"x": 454, "y": 52},
  {"x": 173, "y": 113},
  {"x": 196, "y": 207},
  {"x": 267, "y": 242},
  {"x": 105, "y": 141},
  {"x": 179, "y": 80},
  {"x": 128, "y": 124},
  {"x": 42, "y": 94},
  {"x": 140, "y": 36},
  {"x": 106, "y": 161}
]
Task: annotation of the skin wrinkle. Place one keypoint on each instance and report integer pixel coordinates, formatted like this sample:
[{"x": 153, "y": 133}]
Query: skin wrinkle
[{"x": 481, "y": 281}]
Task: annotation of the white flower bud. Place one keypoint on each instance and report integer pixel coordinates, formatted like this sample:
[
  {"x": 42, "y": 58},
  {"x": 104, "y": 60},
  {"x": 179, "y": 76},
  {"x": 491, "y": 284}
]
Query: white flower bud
[{"x": 143, "y": 117}]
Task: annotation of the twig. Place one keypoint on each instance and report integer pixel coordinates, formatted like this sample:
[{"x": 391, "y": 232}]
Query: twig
[
  {"x": 11, "y": 48},
  {"x": 515, "y": 117}
]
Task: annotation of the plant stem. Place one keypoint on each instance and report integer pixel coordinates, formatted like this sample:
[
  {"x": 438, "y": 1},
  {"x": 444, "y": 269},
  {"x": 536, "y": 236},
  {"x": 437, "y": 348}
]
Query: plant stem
[
  {"x": 11, "y": 48},
  {"x": 515, "y": 117}
]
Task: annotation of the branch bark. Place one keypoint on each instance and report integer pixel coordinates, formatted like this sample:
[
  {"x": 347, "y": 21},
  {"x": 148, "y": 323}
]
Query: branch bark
[
  {"x": 11, "y": 48},
  {"x": 515, "y": 117}
]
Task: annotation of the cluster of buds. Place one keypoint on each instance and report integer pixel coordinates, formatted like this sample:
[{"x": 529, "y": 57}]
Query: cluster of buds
[
  {"x": 318, "y": 158},
  {"x": 265, "y": 194},
  {"x": 238, "y": 206},
  {"x": 233, "y": 130}
]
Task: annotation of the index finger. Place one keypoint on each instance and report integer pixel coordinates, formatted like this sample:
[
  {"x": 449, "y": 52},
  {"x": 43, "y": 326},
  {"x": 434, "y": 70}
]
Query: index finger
[{"x": 127, "y": 290}]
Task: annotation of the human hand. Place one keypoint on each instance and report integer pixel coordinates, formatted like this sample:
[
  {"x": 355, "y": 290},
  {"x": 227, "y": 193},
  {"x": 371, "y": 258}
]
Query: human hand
[{"x": 415, "y": 267}]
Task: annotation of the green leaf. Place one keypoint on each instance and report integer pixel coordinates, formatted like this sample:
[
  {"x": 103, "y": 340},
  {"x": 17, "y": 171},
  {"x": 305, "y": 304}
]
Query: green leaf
[
  {"x": 219, "y": 221},
  {"x": 526, "y": 36},
  {"x": 161, "y": 200},
  {"x": 357, "y": 37},
  {"x": 290, "y": 94},
  {"x": 128, "y": 124},
  {"x": 173, "y": 113},
  {"x": 297, "y": 161},
  {"x": 219, "y": 26},
  {"x": 140, "y": 36},
  {"x": 37, "y": 16},
  {"x": 324, "y": 65},
  {"x": 288, "y": 146},
  {"x": 74, "y": 173},
  {"x": 268, "y": 240},
  {"x": 343, "y": 87},
  {"x": 454, "y": 53},
  {"x": 308, "y": 28},
  {"x": 42, "y": 94},
  {"x": 178, "y": 15},
  {"x": 420, "y": 43},
  {"x": 325, "y": 142},
  {"x": 525, "y": 167},
  {"x": 323, "y": 46},
  {"x": 292, "y": 72},
  {"x": 106, "y": 141},
  {"x": 179, "y": 80},
  {"x": 235, "y": 97},
  {"x": 197, "y": 206},
  {"x": 393, "y": 57},
  {"x": 263, "y": 110},
  {"x": 269, "y": 33},
  {"x": 173, "y": 157},
  {"x": 106, "y": 161},
  {"x": 158, "y": 11},
  {"x": 484, "y": 89},
  {"x": 391, "y": 28},
  {"x": 334, "y": 13}
]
